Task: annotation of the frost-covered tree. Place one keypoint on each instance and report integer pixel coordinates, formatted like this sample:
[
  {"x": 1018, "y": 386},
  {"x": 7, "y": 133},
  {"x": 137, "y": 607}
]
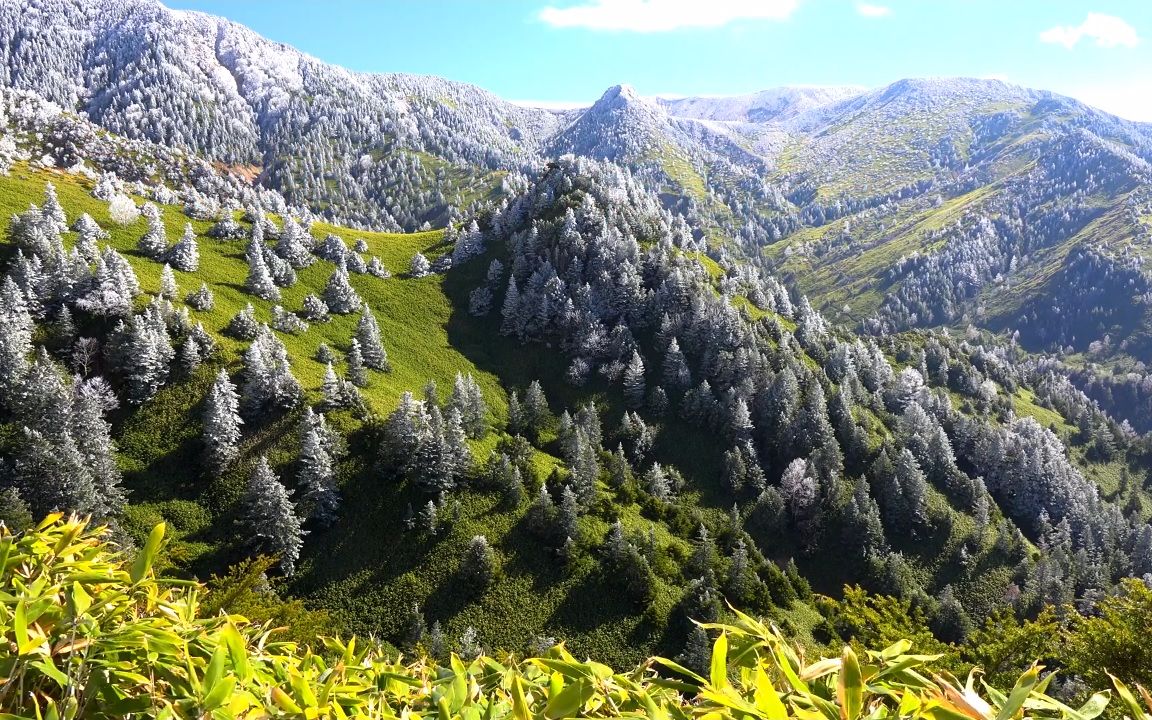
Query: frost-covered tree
[
  {"x": 634, "y": 387},
  {"x": 268, "y": 381},
  {"x": 202, "y": 299},
  {"x": 259, "y": 281},
  {"x": 271, "y": 517},
  {"x": 221, "y": 424},
  {"x": 243, "y": 325},
  {"x": 338, "y": 293},
  {"x": 52, "y": 210},
  {"x": 357, "y": 374},
  {"x": 371, "y": 346},
  {"x": 420, "y": 266},
  {"x": 168, "y": 287},
  {"x": 122, "y": 210},
  {"x": 154, "y": 243},
  {"x": 294, "y": 245},
  {"x": 185, "y": 255},
  {"x": 469, "y": 401},
  {"x": 316, "y": 473},
  {"x": 314, "y": 309}
]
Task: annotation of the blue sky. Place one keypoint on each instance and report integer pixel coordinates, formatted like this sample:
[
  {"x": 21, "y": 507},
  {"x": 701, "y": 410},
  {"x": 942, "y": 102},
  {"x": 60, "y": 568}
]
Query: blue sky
[{"x": 569, "y": 51}]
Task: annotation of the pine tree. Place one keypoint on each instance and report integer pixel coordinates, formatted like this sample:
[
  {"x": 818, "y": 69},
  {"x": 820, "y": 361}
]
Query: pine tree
[
  {"x": 154, "y": 244},
  {"x": 338, "y": 293},
  {"x": 51, "y": 474},
  {"x": 511, "y": 308},
  {"x": 357, "y": 375},
  {"x": 437, "y": 643},
  {"x": 221, "y": 424},
  {"x": 271, "y": 517},
  {"x": 368, "y": 333},
  {"x": 314, "y": 309},
  {"x": 15, "y": 515},
  {"x": 414, "y": 627},
  {"x": 534, "y": 409},
  {"x": 634, "y": 387},
  {"x": 456, "y": 445},
  {"x": 316, "y": 474},
  {"x": 259, "y": 281},
  {"x": 168, "y": 287},
  {"x": 478, "y": 568},
  {"x": 268, "y": 381},
  {"x": 185, "y": 255},
  {"x": 93, "y": 437},
  {"x": 676, "y": 373},
  {"x": 469, "y": 400},
  {"x": 569, "y": 514},
  {"x": 420, "y": 266},
  {"x": 293, "y": 246},
  {"x": 52, "y": 211},
  {"x": 202, "y": 300},
  {"x": 243, "y": 325}
]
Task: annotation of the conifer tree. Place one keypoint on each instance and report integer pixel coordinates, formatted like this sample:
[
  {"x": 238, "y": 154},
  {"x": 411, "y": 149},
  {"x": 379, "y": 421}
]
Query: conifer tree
[
  {"x": 201, "y": 300},
  {"x": 634, "y": 387},
  {"x": 316, "y": 474},
  {"x": 268, "y": 381},
  {"x": 338, "y": 293},
  {"x": 357, "y": 375},
  {"x": 243, "y": 325},
  {"x": 259, "y": 281},
  {"x": 168, "y": 288},
  {"x": 93, "y": 437},
  {"x": 420, "y": 266},
  {"x": 372, "y": 348},
  {"x": 185, "y": 255},
  {"x": 154, "y": 243},
  {"x": 52, "y": 211},
  {"x": 271, "y": 517},
  {"x": 221, "y": 424},
  {"x": 478, "y": 568},
  {"x": 314, "y": 309}
]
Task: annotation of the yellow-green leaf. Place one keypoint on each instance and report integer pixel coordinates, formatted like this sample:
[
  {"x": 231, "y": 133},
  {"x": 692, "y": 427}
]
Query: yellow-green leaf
[
  {"x": 850, "y": 688},
  {"x": 718, "y": 675},
  {"x": 147, "y": 556}
]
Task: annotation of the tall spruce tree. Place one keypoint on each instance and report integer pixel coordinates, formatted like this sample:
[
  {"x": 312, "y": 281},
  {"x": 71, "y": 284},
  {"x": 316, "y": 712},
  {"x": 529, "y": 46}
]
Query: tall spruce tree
[
  {"x": 271, "y": 517},
  {"x": 221, "y": 424}
]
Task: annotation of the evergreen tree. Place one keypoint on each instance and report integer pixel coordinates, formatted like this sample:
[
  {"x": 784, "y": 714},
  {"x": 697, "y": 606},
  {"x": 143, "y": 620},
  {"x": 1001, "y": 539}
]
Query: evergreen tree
[
  {"x": 534, "y": 409},
  {"x": 243, "y": 325},
  {"x": 259, "y": 281},
  {"x": 268, "y": 381},
  {"x": 271, "y": 517},
  {"x": 372, "y": 348},
  {"x": 357, "y": 375},
  {"x": 185, "y": 255},
  {"x": 154, "y": 244},
  {"x": 569, "y": 514},
  {"x": 338, "y": 293},
  {"x": 202, "y": 299},
  {"x": 420, "y": 266},
  {"x": 478, "y": 568},
  {"x": 168, "y": 289},
  {"x": 51, "y": 474},
  {"x": 676, "y": 373},
  {"x": 456, "y": 445},
  {"x": 93, "y": 438},
  {"x": 316, "y": 474},
  {"x": 314, "y": 309},
  {"x": 221, "y": 424},
  {"x": 15, "y": 515},
  {"x": 634, "y": 387},
  {"x": 52, "y": 211}
]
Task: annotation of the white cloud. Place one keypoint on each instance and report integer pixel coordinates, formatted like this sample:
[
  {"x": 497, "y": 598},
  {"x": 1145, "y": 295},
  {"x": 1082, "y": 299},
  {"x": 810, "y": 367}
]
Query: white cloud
[
  {"x": 1131, "y": 101},
  {"x": 1108, "y": 31},
  {"x": 664, "y": 15},
  {"x": 873, "y": 11}
]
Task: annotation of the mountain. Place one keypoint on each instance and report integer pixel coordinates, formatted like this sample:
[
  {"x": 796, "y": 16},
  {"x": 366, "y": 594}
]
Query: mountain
[
  {"x": 775, "y": 105},
  {"x": 650, "y": 361}
]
